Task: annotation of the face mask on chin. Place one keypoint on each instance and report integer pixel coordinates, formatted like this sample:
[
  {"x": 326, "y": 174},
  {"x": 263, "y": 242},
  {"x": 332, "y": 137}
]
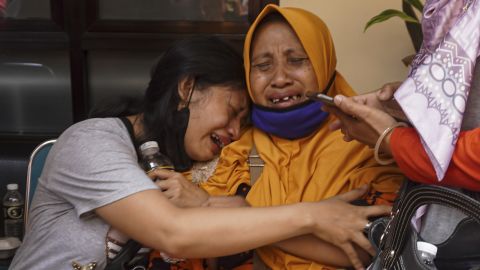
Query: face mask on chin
[
  {"x": 289, "y": 123},
  {"x": 293, "y": 122}
]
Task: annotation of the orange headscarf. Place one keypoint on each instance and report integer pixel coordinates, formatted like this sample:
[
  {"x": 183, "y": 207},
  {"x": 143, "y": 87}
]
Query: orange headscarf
[
  {"x": 316, "y": 40},
  {"x": 312, "y": 168}
]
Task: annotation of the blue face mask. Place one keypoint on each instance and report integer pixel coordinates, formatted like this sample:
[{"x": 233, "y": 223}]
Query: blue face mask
[
  {"x": 290, "y": 123},
  {"x": 294, "y": 122}
]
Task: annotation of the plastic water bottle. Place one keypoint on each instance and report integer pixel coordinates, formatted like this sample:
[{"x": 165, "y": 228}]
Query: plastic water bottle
[
  {"x": 152, "y": 158},
  {"x": 13, "y": 207},
  {"x": 427, "y": 252}
]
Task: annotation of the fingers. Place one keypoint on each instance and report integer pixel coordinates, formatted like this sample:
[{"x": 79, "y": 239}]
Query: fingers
[
  {"x": 376, "y": 119},
  {"x": 377, "y": 210},
  {"x": 337, "y": 124},
  {"x": 353, "y": 194},
  {"x": 346, "y": 137},
  {"x": 172, "y": 190},
  {"x": 360, "y": 240},
  {"x": 387, "y": 91},
  {"x": 163, "y": 185},
  {"x": 352, "y": 255},
  {"x": 350, "y": 107},
  {"x": 161, "y": 174},
  {"x": 173, "y": 182},
  {"x": 361, "y": 99},
  {"x": 343, "y": 119}
]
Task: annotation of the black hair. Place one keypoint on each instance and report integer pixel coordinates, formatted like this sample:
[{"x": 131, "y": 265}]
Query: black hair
[{"x": 208, "y": 60}]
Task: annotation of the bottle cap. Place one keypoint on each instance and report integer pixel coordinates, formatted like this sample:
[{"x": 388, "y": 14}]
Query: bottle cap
[
  {"x": 147, "y": 145},
  {"x": 12, "y": 187},
  {"x": 427, "y": 247}
]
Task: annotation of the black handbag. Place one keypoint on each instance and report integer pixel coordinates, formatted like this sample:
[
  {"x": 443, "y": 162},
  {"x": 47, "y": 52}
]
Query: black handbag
[{"x": 396, "y": 240}]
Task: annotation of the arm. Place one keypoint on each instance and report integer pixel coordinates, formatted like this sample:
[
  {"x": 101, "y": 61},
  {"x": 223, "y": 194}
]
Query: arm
[
  {"x": 384, "y": 183},
  {"x": 184, "y": 193},
  {"x": 312, "y": 248},
  {"x": 407, "y": 147},
  {"x": 161, "y": 225},
  {"x": 226, "y": 201},
  {"x": 411, "y": 157}
]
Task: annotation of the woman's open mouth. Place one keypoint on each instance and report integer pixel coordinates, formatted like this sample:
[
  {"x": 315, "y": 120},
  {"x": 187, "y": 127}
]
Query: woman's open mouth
[
  {"x": 217, "y": 140},
  {"x": 286, "y": 101}
]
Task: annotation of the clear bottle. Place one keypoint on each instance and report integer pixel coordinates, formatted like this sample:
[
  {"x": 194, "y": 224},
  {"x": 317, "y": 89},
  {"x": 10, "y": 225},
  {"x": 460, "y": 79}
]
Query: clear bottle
[
  {"x": 152, "y": 158},
  {"x": 427, "y": 252},
  {"x": 13, "y": 207}
]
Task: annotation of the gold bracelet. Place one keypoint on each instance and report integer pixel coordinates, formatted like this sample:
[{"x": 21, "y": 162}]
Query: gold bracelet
[{"x": 380, "y": 140}]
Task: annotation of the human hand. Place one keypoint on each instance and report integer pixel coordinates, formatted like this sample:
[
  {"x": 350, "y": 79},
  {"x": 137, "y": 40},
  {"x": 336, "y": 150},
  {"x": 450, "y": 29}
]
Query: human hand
[
  {"x": 381, "y": 98},
  {"x": 351, "y": 128},
  {"x": 378, "y": 98},
  {"x": 388, "y": 102},
  {"x": 387, "y": 90},
  {"x": 343, "y": 224},
  {"x": 178, "y": 189},
  {"x": 360, "y": 122}
]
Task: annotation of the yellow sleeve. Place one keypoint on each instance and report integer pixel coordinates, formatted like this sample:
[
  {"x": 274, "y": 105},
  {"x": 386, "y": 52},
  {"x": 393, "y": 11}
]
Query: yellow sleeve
[{"x": 232, "y": 168}]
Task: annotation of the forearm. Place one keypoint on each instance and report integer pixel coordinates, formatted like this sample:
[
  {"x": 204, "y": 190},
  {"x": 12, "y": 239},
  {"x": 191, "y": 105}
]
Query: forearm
[
  {"x": 205, "y": 232},
  {"x": 226, "y": 201},
  {"x": 311, "y": 248},
  {"x": 223, "y": 231},
  {"x": 148, "y": 217}
]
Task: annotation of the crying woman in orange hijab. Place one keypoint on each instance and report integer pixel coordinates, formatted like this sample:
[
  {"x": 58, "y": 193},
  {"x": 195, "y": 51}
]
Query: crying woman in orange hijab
[{"x": 287, "y": 52}]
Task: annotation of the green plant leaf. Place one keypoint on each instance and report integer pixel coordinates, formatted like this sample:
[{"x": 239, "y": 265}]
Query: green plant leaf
[
  {"x": 416, "y": 3},
  {"x": 414, "y": 29},
  {"x": 387, "y": 14}
]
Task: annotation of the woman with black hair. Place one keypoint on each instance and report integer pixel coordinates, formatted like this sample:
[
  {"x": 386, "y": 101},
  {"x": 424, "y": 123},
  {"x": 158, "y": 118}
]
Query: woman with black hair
[{"x": 93, "y": 196}]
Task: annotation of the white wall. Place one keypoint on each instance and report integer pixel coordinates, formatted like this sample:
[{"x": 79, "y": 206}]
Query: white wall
[{"x": 370, "y": 59}]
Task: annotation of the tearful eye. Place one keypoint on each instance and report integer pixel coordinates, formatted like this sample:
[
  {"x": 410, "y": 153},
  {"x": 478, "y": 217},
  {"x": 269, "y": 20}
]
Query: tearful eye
[
  {"x": 262, "y": 66},
  {"x": 297, "y": 60}
]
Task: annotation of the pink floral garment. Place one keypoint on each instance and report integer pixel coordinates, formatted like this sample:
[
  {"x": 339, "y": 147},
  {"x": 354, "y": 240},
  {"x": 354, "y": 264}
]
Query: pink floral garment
[{"x": 436, "y": 90}]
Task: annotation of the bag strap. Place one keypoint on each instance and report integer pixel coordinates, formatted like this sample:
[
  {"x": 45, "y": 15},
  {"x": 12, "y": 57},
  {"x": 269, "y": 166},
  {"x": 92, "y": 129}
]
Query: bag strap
[
  {"x": 131, "y": 132},
  {"x": 255, "y": 165},
  {"x": 396, "y": 233},
  {"x": 131, "y": 248}
]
